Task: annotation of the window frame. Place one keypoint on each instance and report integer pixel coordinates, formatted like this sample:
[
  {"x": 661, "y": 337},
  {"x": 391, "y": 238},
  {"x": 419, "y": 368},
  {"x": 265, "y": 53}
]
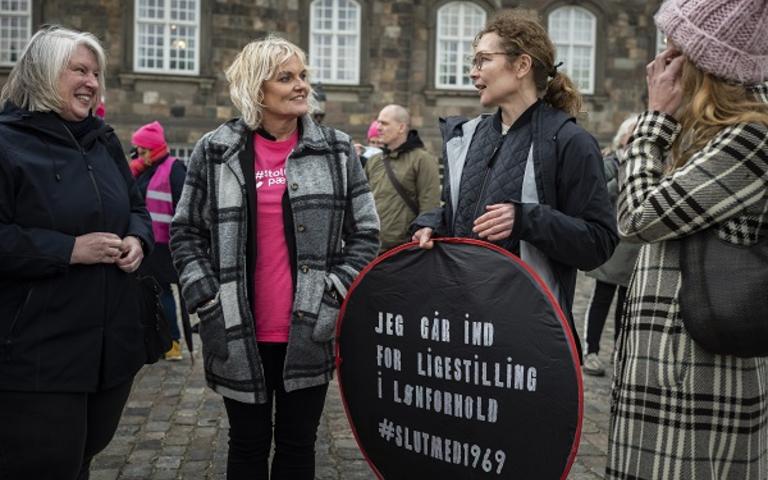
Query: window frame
[
  {"x": 334, "y": 33},
  {"x": 29, "y": 14},
  {"x": 438, "y": 40},
  {"x": 174, "y": 149},
  {"x": 571, "y": 43},
  {"x": 166, "y": 22}
]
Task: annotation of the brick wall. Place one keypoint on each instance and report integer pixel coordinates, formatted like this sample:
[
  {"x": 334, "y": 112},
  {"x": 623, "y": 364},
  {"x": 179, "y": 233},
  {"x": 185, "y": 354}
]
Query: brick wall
[{"x": 398, "y": 60}]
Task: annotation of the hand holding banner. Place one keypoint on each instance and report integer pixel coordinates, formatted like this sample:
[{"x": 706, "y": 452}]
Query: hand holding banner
[{"x": 458, "y": 362}]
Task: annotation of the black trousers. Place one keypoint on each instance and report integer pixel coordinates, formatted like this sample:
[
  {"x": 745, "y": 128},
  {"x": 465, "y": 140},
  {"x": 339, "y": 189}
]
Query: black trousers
[
  {"x": 297, "y": 416},
  {"x": 598, "y": 312},
  {"x": 54, "y": 436}
]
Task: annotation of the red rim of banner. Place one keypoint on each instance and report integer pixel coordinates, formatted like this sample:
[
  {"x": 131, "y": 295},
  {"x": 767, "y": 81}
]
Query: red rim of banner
[{"x": 480, "y": 243}]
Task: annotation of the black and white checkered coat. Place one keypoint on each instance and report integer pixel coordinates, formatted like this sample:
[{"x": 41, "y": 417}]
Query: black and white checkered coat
[
  {"x": 679, "y": 412},
  {"x": 336, "y": 232}
]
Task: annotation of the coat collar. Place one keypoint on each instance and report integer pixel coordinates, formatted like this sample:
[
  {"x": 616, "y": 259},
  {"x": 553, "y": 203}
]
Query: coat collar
[{"x": 232, "y": 136}]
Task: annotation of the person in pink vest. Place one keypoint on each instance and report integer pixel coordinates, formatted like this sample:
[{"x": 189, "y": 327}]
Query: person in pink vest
[{"x": 160, "y": 178}]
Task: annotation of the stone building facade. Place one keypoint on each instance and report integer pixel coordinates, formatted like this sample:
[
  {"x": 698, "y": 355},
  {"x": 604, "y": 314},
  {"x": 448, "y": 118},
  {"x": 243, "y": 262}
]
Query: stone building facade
[{"x": 395, "y": 52}]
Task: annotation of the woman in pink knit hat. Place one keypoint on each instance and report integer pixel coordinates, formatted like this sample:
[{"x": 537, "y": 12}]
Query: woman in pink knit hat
[
  {"x": 373, "y": 148},
  {"x": 683, "y": 407},
  {"x": 160, "y": 178}
]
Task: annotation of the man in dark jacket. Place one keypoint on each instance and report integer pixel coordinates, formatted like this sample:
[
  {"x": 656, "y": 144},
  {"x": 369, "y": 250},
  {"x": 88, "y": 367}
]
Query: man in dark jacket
[{"x": 404, "y": 178}]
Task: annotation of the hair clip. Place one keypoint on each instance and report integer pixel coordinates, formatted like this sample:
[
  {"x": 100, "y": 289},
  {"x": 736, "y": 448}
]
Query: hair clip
[{"x": 553, "y": 72}]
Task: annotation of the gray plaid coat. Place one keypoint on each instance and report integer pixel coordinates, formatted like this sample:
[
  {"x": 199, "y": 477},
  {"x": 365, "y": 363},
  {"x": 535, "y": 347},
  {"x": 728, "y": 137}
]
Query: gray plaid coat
[
  {"x": 336, "y": 230},
  {"x": 679, "y": 412}
]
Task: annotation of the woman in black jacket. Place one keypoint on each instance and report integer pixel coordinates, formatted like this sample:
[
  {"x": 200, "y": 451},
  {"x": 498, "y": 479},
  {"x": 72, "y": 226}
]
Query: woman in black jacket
[
  {"x": 527, "y": 177},
  {"x": 73, "y": 228}
]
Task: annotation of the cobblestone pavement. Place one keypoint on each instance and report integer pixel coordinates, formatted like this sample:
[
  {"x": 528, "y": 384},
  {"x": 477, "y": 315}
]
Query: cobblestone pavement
[{"x": 174, "y": 427}]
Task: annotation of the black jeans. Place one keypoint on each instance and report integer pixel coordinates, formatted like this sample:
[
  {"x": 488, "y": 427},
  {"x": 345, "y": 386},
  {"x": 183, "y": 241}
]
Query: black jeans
[
  {"x": 598, "y": 312},
  {"x": 297, "y": 416},
  {"x": 54, "y": 436}
]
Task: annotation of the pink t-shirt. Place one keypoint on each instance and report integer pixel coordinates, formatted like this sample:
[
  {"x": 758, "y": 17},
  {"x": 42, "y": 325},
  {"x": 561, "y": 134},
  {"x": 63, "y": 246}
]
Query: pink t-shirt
[{"x": 273, "y": 287}]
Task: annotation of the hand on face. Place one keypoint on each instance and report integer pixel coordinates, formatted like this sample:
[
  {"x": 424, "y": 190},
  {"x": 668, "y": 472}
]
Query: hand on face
[{"x": 664, "y": 76}]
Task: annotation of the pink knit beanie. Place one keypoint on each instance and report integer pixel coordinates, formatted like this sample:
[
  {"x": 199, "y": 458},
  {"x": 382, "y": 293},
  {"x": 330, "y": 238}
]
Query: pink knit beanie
[
  {"x": 150, "y": 136},
  {"x": 373, "y": 130},
  {"x": 727, "y": 38},
  {"x": 101, "y": 110}
]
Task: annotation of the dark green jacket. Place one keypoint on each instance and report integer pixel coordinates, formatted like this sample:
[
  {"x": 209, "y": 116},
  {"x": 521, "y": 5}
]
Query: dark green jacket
[{"x": 417, "y": 170}]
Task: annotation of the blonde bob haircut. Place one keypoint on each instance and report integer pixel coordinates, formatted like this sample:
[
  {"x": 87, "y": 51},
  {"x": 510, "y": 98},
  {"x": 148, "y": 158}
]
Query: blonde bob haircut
[
  {"x": 33, "y": 83},
  {"x": 256, "y": 63}
]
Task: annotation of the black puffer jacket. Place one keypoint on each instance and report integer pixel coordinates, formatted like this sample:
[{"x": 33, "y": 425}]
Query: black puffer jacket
[
  {"x": 573, "y": 223},
  {"x": 64, "y": 328}
]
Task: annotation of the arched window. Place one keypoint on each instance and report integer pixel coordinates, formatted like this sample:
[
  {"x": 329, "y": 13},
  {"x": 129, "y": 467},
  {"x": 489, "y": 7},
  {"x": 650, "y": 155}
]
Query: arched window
[
  {"x": 167, "y": 36},
  {"x": 572, "y": 30},
  {"x": 457, "y": 25},
  {"x": 334, "y": 41},
  {"x": 15, "y": 29}
]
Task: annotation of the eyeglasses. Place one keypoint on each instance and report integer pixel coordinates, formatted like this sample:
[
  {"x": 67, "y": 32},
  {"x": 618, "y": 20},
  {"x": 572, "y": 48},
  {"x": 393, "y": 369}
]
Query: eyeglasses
[{"x": 479, "y": 59}]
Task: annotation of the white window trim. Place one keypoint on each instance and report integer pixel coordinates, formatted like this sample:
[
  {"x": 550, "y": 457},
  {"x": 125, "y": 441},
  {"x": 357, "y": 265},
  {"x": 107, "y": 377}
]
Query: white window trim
[
  {"x": 19, "y": 13},
  {"x": 573, "y": 43},
  {"x": 335, "y": 80},
  {"x": 166, "y": 21},
  {"x": 462, "y": 54},
  {"x": 176, "y": 148}
]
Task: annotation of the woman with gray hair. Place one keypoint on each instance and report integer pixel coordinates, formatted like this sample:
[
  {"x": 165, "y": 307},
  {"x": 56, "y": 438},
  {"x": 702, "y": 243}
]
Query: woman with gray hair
[
  {"x": 275, "y": 221},
  {"x": 72, "y": 230}
]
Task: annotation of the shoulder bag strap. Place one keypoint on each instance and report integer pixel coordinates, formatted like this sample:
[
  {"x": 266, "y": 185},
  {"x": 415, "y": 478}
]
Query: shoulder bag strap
[{"x": 398, "y": 186}]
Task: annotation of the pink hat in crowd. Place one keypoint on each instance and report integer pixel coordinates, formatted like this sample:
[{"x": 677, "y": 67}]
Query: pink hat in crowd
[
  {"x": 727, "y": 38},
  {"x": 373, "y": 130},
  {"x": 150, "y": 136},
  {"x": 100, "y": 110}
]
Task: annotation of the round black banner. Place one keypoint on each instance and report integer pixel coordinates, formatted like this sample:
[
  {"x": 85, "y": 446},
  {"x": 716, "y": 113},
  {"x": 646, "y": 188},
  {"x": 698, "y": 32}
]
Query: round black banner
[{"x": 457, "y": 362}]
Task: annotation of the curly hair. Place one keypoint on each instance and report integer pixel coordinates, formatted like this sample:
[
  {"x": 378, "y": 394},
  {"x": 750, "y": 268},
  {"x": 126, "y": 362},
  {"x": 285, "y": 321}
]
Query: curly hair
[{"x": 523, "y": 34}]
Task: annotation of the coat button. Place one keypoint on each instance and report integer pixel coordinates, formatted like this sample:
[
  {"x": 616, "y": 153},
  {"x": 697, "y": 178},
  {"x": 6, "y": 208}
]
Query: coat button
[
  {"x": 301, "y": 228},
  {"x": 304, "y": 269},
  {"x": 300, "y": 315},
  {"x": 294, "y": 186}
]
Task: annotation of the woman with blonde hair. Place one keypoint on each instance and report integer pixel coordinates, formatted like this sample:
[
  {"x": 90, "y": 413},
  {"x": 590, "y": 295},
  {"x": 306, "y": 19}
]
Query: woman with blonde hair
[
  {"x": 275, "y": 221},
  {"x": 527, "y": 177},
  {"x": 697, "y": 164}
]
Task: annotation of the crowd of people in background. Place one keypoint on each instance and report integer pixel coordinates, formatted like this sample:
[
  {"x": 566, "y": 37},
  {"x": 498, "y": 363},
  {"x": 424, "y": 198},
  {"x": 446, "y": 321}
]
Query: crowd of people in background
[{"x": 266, "y": 226}]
